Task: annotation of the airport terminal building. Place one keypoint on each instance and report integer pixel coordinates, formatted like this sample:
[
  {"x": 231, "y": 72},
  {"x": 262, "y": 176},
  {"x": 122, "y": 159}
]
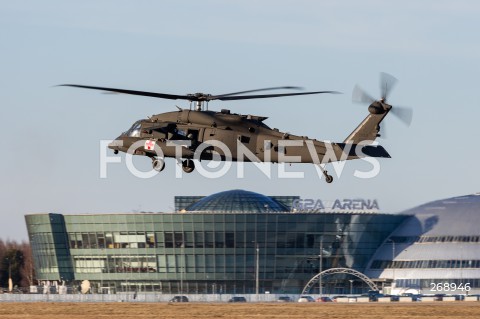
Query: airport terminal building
[{"x": 219, "y": 243}]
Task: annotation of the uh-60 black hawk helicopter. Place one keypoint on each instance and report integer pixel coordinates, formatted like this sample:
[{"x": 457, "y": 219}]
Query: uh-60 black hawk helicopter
[{"x": 199, "y": 133}]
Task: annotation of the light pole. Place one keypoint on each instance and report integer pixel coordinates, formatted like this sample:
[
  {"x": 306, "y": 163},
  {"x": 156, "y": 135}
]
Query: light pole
[
  {"x": 393, "y": 258},
  {"x": 320, "y": 257},
  {"x": 182, "y": 269},
  {"x": 257, "y": 270}
]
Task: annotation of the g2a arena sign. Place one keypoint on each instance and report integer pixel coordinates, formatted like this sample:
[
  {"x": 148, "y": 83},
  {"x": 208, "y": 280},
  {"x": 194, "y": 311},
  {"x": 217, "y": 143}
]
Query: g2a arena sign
[{"x": 350, "y": 205}]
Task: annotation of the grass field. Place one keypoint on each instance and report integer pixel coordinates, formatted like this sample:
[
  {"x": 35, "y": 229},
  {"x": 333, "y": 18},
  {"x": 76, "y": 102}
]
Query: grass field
[{"x": 42, "y": 310}]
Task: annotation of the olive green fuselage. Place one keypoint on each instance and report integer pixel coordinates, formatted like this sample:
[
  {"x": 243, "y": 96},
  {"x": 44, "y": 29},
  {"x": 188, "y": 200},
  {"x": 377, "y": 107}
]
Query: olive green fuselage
[{"x": 208, "y": 135}]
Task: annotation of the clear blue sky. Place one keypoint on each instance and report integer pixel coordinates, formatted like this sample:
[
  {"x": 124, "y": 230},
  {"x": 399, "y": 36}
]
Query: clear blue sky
[{"x": 50, "y": 142}]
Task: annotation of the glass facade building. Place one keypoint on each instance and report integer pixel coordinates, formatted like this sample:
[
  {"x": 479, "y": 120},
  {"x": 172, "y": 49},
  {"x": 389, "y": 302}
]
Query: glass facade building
[{"x": 209, "y": 245}]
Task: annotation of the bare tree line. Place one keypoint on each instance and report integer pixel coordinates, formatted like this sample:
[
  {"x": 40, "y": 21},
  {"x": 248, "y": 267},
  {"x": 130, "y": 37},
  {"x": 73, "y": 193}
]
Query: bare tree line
[{"x": 16, "y": 262}]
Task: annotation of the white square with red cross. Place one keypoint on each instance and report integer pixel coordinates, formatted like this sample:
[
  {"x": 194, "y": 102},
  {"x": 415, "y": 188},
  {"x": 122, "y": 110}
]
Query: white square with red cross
[{"x": 149, "y": 145}]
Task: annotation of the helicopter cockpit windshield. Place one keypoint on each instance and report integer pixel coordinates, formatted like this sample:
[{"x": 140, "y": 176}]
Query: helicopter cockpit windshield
[{"x": 134, "y": 131}]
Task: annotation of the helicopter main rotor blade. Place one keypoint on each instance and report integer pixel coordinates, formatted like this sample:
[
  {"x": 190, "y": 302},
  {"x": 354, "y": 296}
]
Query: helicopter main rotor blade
[
  {"x": 360, "y": 96},
  {"x": 133, "y": 92},
  {"x": 197, "y": 96},
  {"x": 265, "y": 96},
  {"x": 387, "y": 82},
  {"x": 258, "y": 90},
  {"x": 404, "y": 114}
]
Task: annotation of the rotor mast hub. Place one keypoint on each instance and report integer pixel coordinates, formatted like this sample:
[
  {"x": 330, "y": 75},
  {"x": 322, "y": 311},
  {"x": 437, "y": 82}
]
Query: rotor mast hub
[
  {"x": 379, "y": 107},
  {"x": 199, "y": 98}
]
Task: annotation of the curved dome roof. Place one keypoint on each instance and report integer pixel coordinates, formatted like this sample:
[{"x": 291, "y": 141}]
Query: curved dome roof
[
  {"x": 456, "y": 216},
  {"x": 466, "y": 204},
  {"x": 437, "y": 231},
  {"x": 237, "y": 201}
]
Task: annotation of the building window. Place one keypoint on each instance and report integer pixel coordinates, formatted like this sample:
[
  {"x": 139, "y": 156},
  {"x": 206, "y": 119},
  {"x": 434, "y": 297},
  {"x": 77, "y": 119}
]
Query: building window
[
  {"x": 386, "y": 264},
  {"x": 199, "y": 239},
  {"x": 168, "y": 240}
]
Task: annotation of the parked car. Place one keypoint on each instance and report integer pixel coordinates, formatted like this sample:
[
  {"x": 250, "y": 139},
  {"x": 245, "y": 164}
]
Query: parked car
[
  {"x": 284, "y": 299},
  {"x": 306, "y": 299},
  {"x": 373, "y": 295},
  {"x": 237, "y": 299},
  {"x": 324, "y": 299},
  {"x": 179, "y": 299}
]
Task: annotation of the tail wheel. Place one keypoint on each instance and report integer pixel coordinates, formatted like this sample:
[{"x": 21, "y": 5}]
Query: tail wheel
[
  {"x": 328, "y": 178},
  {"x": 188, "y": 166}
]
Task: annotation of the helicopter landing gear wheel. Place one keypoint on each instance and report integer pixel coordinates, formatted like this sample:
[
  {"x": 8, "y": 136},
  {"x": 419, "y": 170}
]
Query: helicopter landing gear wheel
[
  {"x": 328, "y": 178},
  {"x": 188, "y": 166},
  {"x": 158, "y": 164}
]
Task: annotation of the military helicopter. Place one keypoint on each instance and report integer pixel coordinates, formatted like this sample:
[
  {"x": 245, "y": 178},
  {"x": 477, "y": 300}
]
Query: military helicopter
[{"x": 201, "y": 134}]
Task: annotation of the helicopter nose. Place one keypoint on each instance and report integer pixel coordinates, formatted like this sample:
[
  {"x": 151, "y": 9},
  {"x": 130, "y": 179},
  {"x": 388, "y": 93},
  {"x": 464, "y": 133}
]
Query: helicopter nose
[{"x": 115, "y": 145}]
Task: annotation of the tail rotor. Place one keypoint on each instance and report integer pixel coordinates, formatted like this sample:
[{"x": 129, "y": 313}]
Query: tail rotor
[{"x": 380, "y": 106}]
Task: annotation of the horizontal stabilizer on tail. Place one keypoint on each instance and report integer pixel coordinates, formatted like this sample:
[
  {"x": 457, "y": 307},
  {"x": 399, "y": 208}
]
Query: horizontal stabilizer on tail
[{"x": 367, "y": 150}]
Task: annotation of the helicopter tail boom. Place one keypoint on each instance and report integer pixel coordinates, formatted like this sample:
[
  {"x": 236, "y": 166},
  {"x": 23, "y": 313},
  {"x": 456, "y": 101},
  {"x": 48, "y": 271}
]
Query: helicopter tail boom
[{"x": 368, "y": 130}]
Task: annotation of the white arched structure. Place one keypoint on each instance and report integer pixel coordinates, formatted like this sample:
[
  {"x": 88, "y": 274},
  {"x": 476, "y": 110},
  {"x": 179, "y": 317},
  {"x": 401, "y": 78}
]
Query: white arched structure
[{"x": 333, "y": 271}]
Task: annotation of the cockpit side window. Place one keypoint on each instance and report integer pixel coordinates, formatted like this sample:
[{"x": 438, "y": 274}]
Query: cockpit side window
[{"x": 134, "y": 131}]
